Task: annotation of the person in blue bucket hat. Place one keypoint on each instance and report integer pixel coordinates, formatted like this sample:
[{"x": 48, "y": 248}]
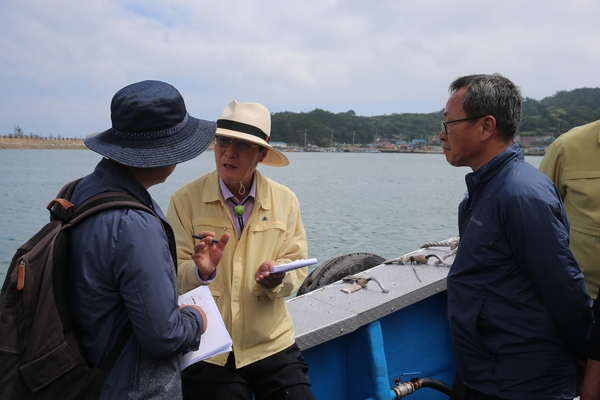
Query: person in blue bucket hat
[{"x": 123, "y": 261}]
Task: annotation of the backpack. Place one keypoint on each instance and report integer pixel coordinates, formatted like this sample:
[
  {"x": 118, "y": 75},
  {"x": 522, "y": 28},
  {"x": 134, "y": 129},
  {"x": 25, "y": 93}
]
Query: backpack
[{"x": 41, "y": 356}]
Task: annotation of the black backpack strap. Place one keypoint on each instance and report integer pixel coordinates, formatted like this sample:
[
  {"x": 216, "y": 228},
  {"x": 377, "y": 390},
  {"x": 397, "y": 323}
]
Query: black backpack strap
[
  {"x": 62, "y": 210},
  {"x": 107, "y": 201},
  {"x": 110, "y": 200},
  {"x": 68, "y": 189}
]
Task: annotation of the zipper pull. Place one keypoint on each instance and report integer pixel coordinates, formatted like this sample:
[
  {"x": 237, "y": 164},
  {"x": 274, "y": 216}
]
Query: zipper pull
[{"x": 21, "y": 275}]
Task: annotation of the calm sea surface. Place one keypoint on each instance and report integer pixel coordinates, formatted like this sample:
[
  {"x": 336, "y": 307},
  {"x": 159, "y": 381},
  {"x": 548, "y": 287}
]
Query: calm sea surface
[{"x": 386, "y": 204}]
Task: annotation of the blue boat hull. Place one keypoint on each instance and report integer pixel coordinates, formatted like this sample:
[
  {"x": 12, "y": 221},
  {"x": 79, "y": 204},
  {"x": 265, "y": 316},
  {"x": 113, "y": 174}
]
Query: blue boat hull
[
  {"x": 371, "y": 338},
  {"x": 364, "y": 364}
]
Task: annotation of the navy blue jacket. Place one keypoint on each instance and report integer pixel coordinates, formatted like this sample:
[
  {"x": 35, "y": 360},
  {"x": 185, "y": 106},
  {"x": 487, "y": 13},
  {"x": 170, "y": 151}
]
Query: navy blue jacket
[
  {"x": 122, "y": 269},
  {"x": 518, "y": 308}
]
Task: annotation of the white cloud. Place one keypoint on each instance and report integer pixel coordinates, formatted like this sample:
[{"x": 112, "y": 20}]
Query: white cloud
[{"x": 62, "y": 61}]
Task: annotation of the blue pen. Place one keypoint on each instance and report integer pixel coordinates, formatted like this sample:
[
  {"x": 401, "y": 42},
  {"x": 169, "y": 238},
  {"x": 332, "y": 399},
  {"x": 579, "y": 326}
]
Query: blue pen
[{"x": 202, "y": 237}]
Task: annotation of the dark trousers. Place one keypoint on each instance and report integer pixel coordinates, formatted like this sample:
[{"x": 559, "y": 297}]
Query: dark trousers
[
  {"x": 461, "y": 392},
  {"x": 283, "y": 375}
]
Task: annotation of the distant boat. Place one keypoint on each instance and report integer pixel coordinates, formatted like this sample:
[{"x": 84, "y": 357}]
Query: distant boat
[{"x": 380, "y": 332}]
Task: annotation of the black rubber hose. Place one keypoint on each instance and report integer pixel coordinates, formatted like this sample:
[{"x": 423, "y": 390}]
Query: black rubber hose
[{"x": 435, "y": 384}]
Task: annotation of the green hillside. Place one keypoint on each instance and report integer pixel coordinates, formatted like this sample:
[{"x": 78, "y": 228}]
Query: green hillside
[{"x": 547, "y": 117}]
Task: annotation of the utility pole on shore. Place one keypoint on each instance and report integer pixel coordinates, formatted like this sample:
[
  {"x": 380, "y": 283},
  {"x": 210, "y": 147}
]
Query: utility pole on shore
[
  {"x": 305, "y": 146},
  {"x": 331, "y": 142},
  {"x": 373, "y": 126}
]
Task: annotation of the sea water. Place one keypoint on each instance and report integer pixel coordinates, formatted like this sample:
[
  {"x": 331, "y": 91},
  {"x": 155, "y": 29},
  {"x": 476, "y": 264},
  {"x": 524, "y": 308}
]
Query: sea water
[{"x": 385, "y": 204}]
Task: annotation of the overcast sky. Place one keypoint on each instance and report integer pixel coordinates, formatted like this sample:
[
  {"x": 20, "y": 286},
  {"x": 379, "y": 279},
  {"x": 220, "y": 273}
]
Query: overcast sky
[{"x": 61, "y": 61}]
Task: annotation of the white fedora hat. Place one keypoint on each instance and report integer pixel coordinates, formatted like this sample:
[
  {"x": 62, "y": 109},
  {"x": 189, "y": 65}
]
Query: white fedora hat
[{"x": 250, "y": 122}]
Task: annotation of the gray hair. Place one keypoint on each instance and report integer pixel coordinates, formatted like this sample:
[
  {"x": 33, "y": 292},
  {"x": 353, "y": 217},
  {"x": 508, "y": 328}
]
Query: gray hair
[{"x": 492, "y": 95}]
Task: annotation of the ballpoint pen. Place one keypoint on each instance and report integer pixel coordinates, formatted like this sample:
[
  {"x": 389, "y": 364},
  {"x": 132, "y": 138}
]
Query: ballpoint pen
[{"x": 202, "y": 237}]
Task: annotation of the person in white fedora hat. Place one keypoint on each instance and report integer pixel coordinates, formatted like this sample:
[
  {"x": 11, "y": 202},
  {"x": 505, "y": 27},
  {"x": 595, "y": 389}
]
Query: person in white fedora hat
[
  {"x": 122, "y": 264},
  {"x": 266, "y": 229}
]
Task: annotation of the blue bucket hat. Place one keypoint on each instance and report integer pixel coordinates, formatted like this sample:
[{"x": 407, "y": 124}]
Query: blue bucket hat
[{"x": 151, "y": 128}]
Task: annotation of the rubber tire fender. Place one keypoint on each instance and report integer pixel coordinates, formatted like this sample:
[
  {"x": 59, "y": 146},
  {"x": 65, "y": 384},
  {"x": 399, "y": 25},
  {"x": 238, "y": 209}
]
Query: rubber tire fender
[{"x": 338, "y": 268}]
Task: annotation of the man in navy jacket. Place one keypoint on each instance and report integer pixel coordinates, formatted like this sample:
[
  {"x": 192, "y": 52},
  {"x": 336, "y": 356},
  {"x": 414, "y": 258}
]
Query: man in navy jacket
[{"x": 518, "y": 308}]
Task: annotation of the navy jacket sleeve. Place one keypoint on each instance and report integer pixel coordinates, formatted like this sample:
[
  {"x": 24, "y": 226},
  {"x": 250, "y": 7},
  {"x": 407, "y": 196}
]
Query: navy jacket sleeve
[
  {"x": 146, "y": 283},
  {"x": 538, "y": 227}
]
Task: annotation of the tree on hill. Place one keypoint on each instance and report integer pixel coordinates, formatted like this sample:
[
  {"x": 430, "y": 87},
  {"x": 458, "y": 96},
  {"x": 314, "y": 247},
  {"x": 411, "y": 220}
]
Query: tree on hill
[
  {"x": 550, "y": 116},
  {"x": 561, "y": 112}
]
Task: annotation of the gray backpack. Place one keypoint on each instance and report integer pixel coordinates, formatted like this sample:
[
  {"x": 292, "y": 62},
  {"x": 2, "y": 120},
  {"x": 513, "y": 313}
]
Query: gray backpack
[{"x": 40, "y": 349}]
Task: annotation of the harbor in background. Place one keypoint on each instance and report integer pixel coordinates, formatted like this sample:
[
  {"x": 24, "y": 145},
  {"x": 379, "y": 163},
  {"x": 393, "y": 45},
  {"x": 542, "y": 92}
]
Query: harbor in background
[{"x": 386, "y": 204}]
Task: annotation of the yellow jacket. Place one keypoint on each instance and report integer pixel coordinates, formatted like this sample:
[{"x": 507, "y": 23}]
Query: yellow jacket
[
  {"x": 573, "y": 164},
  {"x": 257, "y": 319}
]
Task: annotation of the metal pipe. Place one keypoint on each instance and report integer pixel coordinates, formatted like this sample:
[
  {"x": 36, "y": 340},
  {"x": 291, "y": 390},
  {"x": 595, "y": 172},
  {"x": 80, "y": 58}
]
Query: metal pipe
[{"x": 404, "y": 389}]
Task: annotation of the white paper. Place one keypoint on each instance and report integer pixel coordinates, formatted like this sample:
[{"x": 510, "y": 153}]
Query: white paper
[
  {"x": 215, "y": 340},
  {"x": 293, "y": 265}
]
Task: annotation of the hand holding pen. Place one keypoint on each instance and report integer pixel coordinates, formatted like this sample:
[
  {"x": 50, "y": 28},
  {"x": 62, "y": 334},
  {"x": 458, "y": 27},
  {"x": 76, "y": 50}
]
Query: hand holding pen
[
  {"x": 214, "y": 241},
  {"x": 208, "y": 252}
]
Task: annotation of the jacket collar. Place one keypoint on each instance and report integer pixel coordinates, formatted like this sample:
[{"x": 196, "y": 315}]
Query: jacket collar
[
  {"x": 113, "y": 177},
  {"x": 487, "y": 172}
]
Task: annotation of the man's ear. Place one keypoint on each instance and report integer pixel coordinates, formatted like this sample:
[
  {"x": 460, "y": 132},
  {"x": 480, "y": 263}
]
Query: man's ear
[
  {"x": 264, "y": 154},
  {"x": 489, "y": 127}
]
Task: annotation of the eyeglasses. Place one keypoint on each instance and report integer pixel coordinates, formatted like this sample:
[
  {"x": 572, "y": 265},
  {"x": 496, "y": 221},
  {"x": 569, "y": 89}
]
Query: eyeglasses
[
  {"x": 445, "y": 123},
  {"x": 241, "y": 146}
]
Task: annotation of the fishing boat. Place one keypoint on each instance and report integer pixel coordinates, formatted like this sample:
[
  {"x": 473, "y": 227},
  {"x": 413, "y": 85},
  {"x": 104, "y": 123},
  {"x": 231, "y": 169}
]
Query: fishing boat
[{"x": 377, "y": 329}]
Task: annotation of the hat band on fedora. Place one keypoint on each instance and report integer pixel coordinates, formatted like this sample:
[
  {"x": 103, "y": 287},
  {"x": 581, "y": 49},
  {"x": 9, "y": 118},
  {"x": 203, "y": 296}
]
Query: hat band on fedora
[
  {"x": 154, "y": 134},
  {"x": 243, "y": 128}
]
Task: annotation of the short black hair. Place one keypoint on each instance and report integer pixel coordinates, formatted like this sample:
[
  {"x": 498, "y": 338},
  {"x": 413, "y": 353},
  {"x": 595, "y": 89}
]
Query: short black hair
[{"x": 493, "y": 95}]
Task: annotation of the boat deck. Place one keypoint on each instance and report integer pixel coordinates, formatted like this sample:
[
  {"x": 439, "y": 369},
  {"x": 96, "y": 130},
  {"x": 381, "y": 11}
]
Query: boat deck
[{"x": 327, "y": 313}]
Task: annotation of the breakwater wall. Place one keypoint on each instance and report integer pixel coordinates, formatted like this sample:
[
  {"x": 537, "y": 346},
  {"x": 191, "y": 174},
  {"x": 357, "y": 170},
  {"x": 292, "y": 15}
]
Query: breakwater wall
[{"x": 27, "y": 143}]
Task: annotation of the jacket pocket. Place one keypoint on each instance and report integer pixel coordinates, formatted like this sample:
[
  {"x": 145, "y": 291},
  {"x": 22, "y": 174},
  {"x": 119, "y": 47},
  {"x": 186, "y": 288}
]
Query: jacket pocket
[
  {"x": 270, "y": 235},
  {"x": 582, "y": 201}
]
